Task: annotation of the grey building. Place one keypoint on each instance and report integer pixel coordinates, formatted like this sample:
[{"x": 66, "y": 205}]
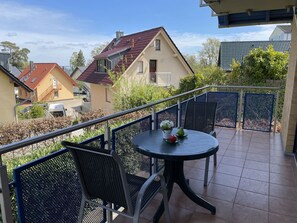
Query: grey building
[{"x": 239, "y": 49}]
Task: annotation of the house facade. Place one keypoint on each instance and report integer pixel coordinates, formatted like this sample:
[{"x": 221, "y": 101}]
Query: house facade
[
  {"x": 281, "y": 32},
  {"x": 149, "y": 57},
  {"x": 8, "y": 82},
  {"x": 84, "y": 85},
  {"x": 49, "y": 82}
]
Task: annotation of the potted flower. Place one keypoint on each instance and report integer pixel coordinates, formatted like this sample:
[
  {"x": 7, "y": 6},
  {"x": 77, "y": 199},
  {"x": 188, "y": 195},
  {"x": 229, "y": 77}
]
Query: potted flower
[{"x": 166, "y": 127}]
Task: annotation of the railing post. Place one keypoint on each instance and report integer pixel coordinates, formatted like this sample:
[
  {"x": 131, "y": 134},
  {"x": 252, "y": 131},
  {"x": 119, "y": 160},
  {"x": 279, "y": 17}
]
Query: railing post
[
  {"x": 154, "y": 126},
  {"x": 5, "y": 201},
  {"x": 276, "y": 111},
  {"x": 107, "y": 136},
  {"x": 108, "y": 146},
  {"x": 178, "y": 113},
  {"x": 240, "y": 109}
]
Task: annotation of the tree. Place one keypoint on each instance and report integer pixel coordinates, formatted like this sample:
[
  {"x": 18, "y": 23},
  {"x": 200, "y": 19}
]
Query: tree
[
  {"x": 77, "y": 60},
  {"x": 96, "y": 51},
  {"x": 193, "y": 62},
  {"x": 210, "y": 52},
  {"x": 214, "y": 75},
  {"x": 19, "y": 57},
  {"x": 259, "y": 66}
]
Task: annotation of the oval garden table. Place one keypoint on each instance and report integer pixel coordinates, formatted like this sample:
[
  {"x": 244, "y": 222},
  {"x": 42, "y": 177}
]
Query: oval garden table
[{"x": 195, "y": 145}]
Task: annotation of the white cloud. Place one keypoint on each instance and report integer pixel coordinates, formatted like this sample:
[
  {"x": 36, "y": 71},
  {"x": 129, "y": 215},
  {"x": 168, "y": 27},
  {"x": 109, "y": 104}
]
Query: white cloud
[
  {"x": 192, "y": 42},
  {"x": 50, "y": 36}
]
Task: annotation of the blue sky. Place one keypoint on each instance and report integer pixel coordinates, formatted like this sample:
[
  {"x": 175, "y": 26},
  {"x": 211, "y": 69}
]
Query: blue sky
[{"x": 53, "y": 30}]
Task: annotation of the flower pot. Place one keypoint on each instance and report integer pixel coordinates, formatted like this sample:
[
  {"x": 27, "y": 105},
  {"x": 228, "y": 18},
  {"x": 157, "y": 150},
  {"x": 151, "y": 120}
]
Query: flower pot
[{"x": 166, "y": 133}]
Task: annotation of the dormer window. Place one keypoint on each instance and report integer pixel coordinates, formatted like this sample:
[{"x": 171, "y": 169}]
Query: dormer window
[
  {"x": 158, "y": 44},
  {"x": 103, "y": 65}
]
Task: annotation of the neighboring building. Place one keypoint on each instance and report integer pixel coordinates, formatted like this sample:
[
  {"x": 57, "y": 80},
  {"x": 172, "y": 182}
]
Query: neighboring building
[
  {"x": 49, "y": 82},
  {"x": 4, "y": 61},
  {"x": 7, "y": 94},
  {"x": 149, "y": 56},
  {"x": 281, "y": 32},
  {"x": 75, "y": 74},
  {"x": 238, "y": 50}
]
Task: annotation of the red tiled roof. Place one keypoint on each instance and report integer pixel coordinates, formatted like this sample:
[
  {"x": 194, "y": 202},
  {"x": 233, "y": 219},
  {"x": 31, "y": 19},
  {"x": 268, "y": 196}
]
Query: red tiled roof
[
  {"x": 39, "y": 72},
  {"x": 134, "y": 43},
  {"x": 111, "y": 52},
  {"x": 90, "y": 75}
]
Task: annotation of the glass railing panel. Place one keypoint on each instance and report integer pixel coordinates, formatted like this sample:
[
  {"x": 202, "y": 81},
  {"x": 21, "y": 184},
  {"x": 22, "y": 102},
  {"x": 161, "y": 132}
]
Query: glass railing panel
[{"x": 258, "y": 111}]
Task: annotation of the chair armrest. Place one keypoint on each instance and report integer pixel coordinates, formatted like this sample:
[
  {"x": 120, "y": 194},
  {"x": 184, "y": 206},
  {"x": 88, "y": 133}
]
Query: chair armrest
[
  {"x": 145, "y": 186},
  {"x": 213, "y": 133}
]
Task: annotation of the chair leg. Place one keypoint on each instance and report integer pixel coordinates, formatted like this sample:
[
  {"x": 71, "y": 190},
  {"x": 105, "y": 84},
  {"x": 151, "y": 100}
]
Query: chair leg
[
  {"x": 206, "y": 171},
  {"x": 215, "y": 159},
  {"x": 81, "y": 210}
]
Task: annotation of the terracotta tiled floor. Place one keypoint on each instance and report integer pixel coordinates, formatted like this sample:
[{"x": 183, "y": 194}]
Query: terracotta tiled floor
[{"x": 254, "y": 182}]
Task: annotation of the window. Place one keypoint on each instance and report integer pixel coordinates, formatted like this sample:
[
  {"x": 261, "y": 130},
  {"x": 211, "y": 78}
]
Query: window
[
  {"x": 140, "y": 66},
  {"x": 158, "y": 44},
  {"x": 103, "y": 65},
  {"x": 56, "y": 94},
  {"x": 153, "y": 70}
]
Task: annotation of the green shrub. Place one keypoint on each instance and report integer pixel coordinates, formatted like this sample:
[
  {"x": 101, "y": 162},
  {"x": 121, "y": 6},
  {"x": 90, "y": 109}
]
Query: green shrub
[{"x": 37, "y": 111}]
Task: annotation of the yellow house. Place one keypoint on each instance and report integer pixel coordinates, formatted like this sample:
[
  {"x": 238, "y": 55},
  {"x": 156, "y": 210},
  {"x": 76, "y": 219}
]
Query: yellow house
[
  {"x": 7, "y": 96},
  {"x": 49, "y": 82},
  {"x": 149, "y": 56}
]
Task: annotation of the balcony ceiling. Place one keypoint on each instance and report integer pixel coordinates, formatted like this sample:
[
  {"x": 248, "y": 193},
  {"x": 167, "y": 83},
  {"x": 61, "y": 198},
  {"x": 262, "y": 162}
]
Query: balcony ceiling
[{"x": 252, "y": 12}]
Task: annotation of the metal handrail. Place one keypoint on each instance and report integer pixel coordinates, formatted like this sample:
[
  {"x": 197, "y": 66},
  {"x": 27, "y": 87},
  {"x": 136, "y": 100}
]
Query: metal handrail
[{"x": 49, "y": 135}]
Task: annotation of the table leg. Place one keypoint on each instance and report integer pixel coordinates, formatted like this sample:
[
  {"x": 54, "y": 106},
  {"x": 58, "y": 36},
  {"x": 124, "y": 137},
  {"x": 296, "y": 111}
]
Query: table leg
[
  {"x": 169, "y": 185},
  {"x": 174, "y": 173}
]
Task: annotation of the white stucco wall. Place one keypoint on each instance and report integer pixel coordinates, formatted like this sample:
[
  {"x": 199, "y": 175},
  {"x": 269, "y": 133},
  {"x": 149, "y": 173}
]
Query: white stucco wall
[{"x": 169, "y": 67}]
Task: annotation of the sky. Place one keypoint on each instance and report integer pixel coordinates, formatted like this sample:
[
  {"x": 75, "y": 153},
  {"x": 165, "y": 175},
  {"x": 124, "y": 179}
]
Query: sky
[{"x": 53, "y": 30}]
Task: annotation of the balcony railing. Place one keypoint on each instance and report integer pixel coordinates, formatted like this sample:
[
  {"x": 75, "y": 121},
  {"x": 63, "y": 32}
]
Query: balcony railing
[{"x": 48, "y": 188}]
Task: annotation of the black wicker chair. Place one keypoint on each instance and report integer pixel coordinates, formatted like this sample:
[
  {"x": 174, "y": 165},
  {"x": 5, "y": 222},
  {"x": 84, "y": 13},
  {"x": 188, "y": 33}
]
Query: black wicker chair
[
  {"x": 103, "y": 177},
  {"x": 201, "y": 116}
]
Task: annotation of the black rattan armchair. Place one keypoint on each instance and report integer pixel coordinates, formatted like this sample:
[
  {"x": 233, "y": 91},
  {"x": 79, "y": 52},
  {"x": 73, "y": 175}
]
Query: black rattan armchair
[
  {"x": 103, "y": 177},
  {"x": 201, "y": 116}
]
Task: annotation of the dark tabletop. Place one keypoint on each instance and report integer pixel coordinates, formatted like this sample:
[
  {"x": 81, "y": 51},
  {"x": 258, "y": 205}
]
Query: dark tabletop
[{"x": 195, "y": 145}]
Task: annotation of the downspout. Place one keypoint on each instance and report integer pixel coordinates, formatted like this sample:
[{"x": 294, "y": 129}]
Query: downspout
[{"x": 294, "y": 14}]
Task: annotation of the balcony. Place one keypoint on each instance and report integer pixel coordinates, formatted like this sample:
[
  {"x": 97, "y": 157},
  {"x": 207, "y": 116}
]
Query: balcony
[{"x": 254, "y": 180}]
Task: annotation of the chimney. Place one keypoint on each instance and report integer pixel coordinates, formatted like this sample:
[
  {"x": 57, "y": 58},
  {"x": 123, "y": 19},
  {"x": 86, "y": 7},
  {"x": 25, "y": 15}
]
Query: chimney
[
  {"x": 133, "y": 43},
  {"x": 31, "y": 66},
  {"x": 119, "y": 34}
]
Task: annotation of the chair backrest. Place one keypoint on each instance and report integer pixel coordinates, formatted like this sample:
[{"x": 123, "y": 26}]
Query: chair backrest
[
  {"x": 101, "y": 174},
  {"x": 200, "y": 116}
]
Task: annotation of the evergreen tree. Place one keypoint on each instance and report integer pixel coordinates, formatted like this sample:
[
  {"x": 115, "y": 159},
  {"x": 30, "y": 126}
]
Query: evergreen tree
[{"x": 77, "y": 60}]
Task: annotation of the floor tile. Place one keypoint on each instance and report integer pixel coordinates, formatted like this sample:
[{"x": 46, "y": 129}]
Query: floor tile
[
  {"x": 225, "y": 179},
  {"x": 257, "y": 165},
  {"x": 235, "y": 154},
  {"x": 281, "y": 179},
  {"x": 233, "y": 161},
  {"x": 284, "y": 192},
  {"x": 254, "y": 186},
  {"x": 282, "y": 206},
  {"x": 255, "y": 175},
  {"x": 275, "y": 218},
  {"x": 220, "y": 192},
  {"x": 228, "y": 169},
  {"x": 253, "y": 200},
  {"x": 257, "y": 157},
  {"x": 242, "y": 214}
]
